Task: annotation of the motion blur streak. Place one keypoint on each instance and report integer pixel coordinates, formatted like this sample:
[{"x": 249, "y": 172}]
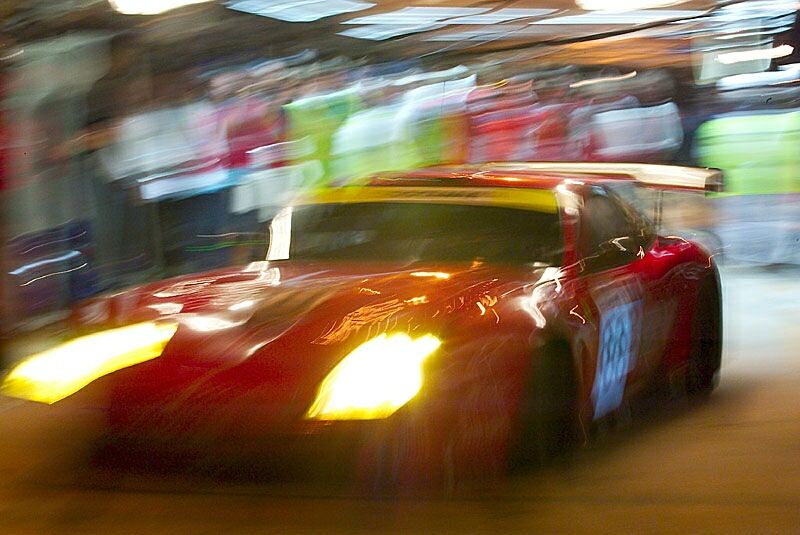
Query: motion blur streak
[
  {"x": 752, "y": 55},
  {"x": 625, "y": 5},
  {"x": 54, "y": 274},
  {"x": 280, "y": 234},
  {"x": 434, "y": 274},
  {"x": 241, "y": 305},
  {"x": 604, "y": 79},
  {"x": 150, "y": 7},
  {"x": 53, "y": 375},
  {"x": 207, "y": 323},
  {"x": 375, "y": 380}
]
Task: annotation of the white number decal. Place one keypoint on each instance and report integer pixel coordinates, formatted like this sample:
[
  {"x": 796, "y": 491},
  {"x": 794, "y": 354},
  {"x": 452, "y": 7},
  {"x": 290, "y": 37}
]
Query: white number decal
[{"x": 616, "y": 354}]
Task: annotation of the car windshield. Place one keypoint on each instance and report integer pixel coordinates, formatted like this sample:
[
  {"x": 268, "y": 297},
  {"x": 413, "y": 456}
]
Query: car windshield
[{"x": 418, "y": 232}]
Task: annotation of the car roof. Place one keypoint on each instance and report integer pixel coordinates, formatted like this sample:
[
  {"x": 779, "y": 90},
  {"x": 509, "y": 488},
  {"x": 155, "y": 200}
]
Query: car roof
[{"x": 503, "y": 182}]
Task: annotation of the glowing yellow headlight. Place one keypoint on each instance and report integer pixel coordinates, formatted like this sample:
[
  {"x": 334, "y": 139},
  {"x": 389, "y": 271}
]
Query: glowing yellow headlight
[
  {"x": 54, "y": 374},
  {"x": 375, "y": 380}
]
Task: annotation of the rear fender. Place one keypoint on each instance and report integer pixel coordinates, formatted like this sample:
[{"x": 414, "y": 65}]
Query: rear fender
[{"x": 692, "y": 283}]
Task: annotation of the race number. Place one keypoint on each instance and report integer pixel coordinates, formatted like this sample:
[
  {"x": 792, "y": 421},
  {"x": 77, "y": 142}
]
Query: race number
[{"x": 618, "y": 347}]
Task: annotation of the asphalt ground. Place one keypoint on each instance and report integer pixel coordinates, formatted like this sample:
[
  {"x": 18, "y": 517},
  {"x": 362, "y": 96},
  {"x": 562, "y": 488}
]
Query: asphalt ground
[{"x": 728, "y": 465}]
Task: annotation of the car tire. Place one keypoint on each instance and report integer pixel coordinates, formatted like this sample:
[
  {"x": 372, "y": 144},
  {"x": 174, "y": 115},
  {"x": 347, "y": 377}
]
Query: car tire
[
  {"x": 548, "y": 416},
  {"x": 705, "y": 354}
]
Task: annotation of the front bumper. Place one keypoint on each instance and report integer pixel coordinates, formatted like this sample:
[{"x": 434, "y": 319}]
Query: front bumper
[{"x": 180, "y": 421}]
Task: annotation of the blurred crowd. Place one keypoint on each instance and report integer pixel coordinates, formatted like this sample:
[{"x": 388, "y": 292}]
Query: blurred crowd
[{"x": 118, "y": 173}]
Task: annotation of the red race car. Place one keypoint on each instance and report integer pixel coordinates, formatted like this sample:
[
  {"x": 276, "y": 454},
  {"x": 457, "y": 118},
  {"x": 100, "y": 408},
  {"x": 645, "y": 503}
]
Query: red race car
[{"x": 428, "y": 326}]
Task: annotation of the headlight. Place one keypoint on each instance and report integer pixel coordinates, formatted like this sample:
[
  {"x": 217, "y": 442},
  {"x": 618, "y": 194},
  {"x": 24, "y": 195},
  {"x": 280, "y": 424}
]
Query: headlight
[
  {"x": 375, "y": 380},
  {"x": 54, "y": 374}
]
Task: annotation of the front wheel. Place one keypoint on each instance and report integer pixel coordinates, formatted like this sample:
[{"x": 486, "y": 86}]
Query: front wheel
[
  {"x": 548, "y": 418},
  {"x": 454, "y": 441}
]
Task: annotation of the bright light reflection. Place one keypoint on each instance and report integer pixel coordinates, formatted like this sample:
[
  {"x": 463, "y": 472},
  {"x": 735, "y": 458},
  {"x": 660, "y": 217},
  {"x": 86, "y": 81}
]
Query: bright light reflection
[
  {"x": 269, "y": 275},
  {"x": 207, "y": 323},
  {"x": 54, "y": 374},
  {"x": 502, "y": 15},
  {"x": 433, "y": 274},
  {"x": 628, "y": 17},
  {"x": 592, "y": 81},
  {"x": 531, "y": 306},
  {"x": 625, "y": 5},
  {"x": 241, "y": 305},
  {"x": 166, "y": 308},
  {"x": 757, "y": 79},
  {"x": 280, "y": 235},
  {"x": 375, "y": 380},
  {"x": 379, "y": 33},
  {"x": 33, "y": 265},
  {"x": 298, "y": 10},
  {"x": 150, "y": 7},
  {"x": 752, "y": 55},
  {"x": 417, "y": 15}
]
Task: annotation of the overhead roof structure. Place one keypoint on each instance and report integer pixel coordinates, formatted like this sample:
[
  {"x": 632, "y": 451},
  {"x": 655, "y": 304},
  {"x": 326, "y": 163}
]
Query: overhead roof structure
[{"x": 389, "y": 29}]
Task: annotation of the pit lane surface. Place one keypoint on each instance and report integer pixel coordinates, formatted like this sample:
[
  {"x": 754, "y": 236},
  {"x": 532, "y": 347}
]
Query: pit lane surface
[{"x": 729, "y": 465}]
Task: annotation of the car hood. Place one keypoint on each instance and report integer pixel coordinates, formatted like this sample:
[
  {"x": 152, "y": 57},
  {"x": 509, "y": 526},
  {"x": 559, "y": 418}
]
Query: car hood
[
  {"x": 232, "y": 315},
  {"x": 267, "y": 334}
]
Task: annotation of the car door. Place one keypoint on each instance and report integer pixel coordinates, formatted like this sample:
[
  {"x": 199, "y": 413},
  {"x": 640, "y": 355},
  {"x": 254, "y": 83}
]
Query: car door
[{"x": 611, "y": 245}]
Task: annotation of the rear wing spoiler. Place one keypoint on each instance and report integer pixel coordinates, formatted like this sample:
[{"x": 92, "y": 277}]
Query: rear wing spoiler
[{"x": 657, "y": 176}]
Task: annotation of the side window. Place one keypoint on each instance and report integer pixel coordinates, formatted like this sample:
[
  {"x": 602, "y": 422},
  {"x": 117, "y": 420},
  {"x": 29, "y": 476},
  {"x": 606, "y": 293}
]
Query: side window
[{"x": 610, "y": 235}]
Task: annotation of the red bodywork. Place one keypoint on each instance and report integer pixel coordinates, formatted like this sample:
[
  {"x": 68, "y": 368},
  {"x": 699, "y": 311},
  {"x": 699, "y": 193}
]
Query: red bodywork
[{"x": 246, "y": 378}]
